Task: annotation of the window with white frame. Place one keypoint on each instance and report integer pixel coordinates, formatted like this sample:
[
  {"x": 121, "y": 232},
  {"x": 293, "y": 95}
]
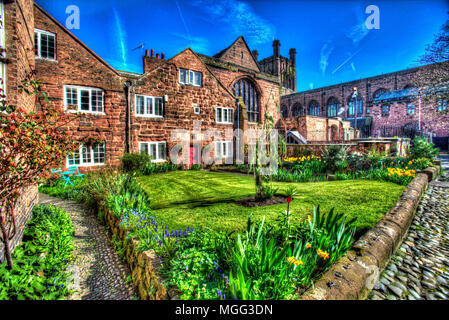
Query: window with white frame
[
  {"x": 88, "y": 156},
  {"x": 190, "y": 77},
  {"x": 44, "y": 44},
  {"x": 411, "y": 108},
  {"x": 225, "y": 115},
  {"x": 223, "y": 149},
  {"x": 147, "y": 106},
  {"x": 84, "y": 99},
  {"x": 157, "y": 150}
]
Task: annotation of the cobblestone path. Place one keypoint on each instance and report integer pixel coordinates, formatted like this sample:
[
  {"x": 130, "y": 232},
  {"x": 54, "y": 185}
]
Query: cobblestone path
[
  {"x": 98, "y": 272},
  {"x": 420, "y": 268}
]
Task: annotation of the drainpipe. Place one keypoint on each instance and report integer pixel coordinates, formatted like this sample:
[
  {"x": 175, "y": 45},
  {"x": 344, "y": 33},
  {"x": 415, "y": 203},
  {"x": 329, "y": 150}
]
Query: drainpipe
[
  {"x": 238, "y": 127},
  {"x": 128, "y": 145}
]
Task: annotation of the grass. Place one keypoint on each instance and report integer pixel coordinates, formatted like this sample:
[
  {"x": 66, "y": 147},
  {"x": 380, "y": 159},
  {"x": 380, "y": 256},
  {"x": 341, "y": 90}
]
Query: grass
[{"x": 200, "y": 198}]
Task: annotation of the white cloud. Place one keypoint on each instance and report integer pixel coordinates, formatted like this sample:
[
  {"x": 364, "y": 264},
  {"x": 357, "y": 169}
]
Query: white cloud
[
  {"x": 240, "y": 17},
  {"x": 121, "y": 38},
  {"x": 353, "y": 67},
  {"x": 198, "y": 44},
  {"x": 358, "y": 32},
  {"x": 311, "y": 85},
  {"x": 326, "y": 51}
]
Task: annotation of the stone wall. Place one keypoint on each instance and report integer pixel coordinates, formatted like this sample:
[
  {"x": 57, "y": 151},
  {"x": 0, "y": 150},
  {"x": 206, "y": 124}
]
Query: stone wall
[
  {"x": 79, "y": 66},
  {"x": 432, "y": 120},
  {"x": 144, "y": 266},
  {"x": 19, "y": 25},
  {"x": 352, "y": 277},
  {"x": 29, "y": 197}
]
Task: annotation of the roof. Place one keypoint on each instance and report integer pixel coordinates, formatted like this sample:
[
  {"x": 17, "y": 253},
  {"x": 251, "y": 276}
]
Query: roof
[
  {"x": 76, "y": 39},
  {"x": 397, "y": 95},
  {"x": 217, "y": 62},
  {"x": 222, "y": 52},
  {"x": 297, "y": 136}
]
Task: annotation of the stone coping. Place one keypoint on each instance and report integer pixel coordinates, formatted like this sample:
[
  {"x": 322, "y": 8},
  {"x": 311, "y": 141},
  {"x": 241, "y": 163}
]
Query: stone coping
[{"x": 354, "y": 275}]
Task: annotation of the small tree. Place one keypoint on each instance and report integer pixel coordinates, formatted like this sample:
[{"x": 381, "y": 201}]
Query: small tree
[
  {"x": 32, "y": 143},
  {"x": 434, "y": 77}
]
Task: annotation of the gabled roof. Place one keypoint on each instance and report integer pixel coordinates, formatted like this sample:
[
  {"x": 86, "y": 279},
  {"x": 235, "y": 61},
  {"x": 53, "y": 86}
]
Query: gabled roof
[
  {"x": 202, "y": 62},
  {"x": 76, "y": 39},
  {"x": 224, "y": 51}
]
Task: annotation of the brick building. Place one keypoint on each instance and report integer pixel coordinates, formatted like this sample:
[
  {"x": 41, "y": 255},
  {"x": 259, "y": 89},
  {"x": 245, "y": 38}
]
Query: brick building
[
  {"x": 16, "y": 62},
  {"x": 388, "y": 105},
  {"x": 123, "y": 112}
]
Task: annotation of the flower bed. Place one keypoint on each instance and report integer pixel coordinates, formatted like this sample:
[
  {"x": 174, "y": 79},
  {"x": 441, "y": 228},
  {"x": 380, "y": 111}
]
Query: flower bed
[{"x": 41, "y": 260}]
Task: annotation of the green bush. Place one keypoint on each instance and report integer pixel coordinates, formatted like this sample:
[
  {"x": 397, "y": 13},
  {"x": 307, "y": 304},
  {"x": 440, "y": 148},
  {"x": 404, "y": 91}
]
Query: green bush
[
  {"x": 135, "y": 161},
  {"x": 334, "y": 157},
  {"x": 41, "y": 260},
  {"x": 421, "y": 148}
]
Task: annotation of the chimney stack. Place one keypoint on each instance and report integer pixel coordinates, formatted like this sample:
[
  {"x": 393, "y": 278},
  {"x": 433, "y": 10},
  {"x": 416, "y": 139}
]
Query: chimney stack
[
  {"x": 292, "y": 53},
  {"x": 151, "y": 61},
  {"x": 256, "y": 55},
  {"x": 277, "y": 48}
]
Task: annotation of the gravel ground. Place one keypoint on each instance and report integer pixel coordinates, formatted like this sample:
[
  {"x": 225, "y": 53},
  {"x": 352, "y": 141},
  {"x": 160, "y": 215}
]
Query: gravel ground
[
  {"x": 98, "y": 272},
  {"x": 420, "y": 268}
]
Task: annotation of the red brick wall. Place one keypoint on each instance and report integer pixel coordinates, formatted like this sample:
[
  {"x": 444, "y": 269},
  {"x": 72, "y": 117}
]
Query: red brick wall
[
  {"x": 77, "y": 65},
  {"x": 19, "y": 50},
  {"x": 433, "y": 121},
  {"x": 19, "y": 25}
]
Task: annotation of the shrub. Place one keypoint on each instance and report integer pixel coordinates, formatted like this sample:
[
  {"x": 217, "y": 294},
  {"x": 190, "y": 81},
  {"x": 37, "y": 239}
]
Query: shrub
[
  {"x": 41, "y": 260},
  {"x": 334, "y": 157},
  {"x": 421, "y": 148},
  {"x": 135, "y": 161}
]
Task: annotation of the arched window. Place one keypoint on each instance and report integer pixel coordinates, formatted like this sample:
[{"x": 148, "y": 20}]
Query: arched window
[
  {"x": 353, "y": 104},
  {"x": 314, "y": 109},
  {"x": 284, "y": 111},
  {"x": 379, "y": 92},
  {"x": 332, "y": 107},
  {"x": 245, "y": 90},
  {"x": 297, "y": 110}
]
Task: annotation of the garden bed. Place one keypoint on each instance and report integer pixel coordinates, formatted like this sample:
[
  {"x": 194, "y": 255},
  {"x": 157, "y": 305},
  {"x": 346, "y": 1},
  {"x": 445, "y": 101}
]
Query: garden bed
[{"x": 41, "y": 260}]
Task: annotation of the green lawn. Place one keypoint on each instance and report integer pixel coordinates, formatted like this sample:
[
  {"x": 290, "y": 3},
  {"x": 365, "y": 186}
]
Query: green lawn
[{"x": 199, "y": 198}]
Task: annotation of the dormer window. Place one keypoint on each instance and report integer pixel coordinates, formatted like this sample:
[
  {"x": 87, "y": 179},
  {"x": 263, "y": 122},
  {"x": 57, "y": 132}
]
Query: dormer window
[{"x": 44, "y": 44}]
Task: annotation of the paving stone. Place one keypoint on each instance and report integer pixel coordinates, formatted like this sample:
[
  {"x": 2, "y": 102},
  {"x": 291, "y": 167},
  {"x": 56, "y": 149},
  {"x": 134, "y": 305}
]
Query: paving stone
[
  {"x": 420, "y": 266},
  {"x": 96, "y": 265}
]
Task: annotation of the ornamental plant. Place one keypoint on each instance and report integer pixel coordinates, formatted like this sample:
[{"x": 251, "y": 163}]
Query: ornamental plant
[
  {"x": 421, "y": 148},
  {"x": 32, "y": 143}
]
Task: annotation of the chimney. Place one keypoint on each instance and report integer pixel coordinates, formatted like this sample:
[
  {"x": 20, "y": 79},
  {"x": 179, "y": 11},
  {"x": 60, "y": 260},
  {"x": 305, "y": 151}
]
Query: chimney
[
  {"x": 276, "y": 48},
  {"x": 163, "y": 56},
  {"x": 256, "y": 55},
  {"x": 150, "y": 61},
  {"x": 292, "y": 53}
]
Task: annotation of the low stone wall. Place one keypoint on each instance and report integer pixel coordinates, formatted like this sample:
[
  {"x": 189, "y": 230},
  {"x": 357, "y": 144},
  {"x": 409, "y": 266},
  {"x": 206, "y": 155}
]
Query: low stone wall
[
  {"x": 354, "y": 275},
  {"x": 29, "y": 197},
  {"x": 144, "y": 266}
]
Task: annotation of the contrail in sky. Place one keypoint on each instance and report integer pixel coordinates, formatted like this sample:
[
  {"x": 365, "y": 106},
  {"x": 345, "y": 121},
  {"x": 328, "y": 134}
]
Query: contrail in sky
[
  {"x": 346, "y": 61},
  {"x": 184, "y": 22},
  {"x": 121, "y": 36}
]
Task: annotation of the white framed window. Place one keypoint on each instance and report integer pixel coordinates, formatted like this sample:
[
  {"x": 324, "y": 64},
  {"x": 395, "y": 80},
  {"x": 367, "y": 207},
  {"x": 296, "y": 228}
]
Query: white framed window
[
  {"x": 152, "y": 107},
  {"x": 225, "y": 115},
  {"x": 88, "y": 156},
  {"x": 411, "y": 108},
  {"x": 44, "y": 44},
  {"x": 223, "y": 149},
  {"x": 157, "y": 150},
  {"x": 84, "y": 99},
  {"x": 190, "y": 77}
]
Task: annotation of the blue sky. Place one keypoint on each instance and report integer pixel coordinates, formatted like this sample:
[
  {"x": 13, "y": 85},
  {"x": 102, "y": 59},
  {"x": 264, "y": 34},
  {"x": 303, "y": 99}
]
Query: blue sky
[{"x": 332, "y": 42}]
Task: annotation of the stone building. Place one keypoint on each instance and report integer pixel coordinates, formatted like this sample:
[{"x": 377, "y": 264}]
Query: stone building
[
  {"x": 16, "y": 63},
  {"x": 387, "y": 105}
]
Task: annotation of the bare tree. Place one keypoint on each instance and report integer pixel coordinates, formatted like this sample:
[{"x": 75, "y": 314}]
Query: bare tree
[{"x": 433, "y": 79}]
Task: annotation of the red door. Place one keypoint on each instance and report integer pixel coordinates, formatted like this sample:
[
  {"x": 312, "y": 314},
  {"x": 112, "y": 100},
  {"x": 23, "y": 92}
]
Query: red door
[{"x": 192, "y": 155}]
